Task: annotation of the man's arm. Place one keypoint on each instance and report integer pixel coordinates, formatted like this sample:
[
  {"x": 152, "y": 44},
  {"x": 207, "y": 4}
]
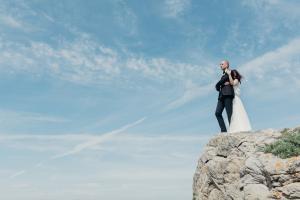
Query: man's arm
[{"x": 222, "y": 81}]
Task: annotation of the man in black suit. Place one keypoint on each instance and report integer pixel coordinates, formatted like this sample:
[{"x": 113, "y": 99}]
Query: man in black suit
[{"x": 226, "y": 95}]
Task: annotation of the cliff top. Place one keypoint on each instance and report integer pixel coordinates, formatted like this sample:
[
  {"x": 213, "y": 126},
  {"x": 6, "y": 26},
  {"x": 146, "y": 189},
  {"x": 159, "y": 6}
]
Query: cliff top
[{"x": 237, "y": 166}]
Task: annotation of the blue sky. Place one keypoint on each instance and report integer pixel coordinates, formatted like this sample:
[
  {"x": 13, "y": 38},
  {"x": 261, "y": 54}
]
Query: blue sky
[{"x": 115, "y": 99}]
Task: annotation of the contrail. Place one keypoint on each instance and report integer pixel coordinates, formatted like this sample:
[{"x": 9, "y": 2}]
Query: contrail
[
  {"x": 106, "y": 136},
  {"x": 78, "y": 148}
]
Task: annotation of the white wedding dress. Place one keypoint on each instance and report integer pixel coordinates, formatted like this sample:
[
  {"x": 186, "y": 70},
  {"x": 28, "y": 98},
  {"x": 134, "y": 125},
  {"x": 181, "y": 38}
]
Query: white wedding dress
[{"x": 239, "y": 119}]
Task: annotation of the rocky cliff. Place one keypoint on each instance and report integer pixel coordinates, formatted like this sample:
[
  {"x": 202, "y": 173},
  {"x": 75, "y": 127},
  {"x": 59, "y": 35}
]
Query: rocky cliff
[{"x": 234, "y": 166}]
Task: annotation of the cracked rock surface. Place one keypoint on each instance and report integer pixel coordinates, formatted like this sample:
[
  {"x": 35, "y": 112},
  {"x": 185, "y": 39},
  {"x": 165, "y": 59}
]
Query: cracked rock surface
[{"x": 232, "y": 166}]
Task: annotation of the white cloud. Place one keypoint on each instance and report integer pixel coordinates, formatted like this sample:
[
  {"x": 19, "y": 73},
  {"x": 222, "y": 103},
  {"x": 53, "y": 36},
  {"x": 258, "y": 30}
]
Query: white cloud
[
  {"x": 162, "y": 69},
  {"x": 80, "y": 61},
  {"x": 126, "y": 18},
  {"x": 19, "y": 173},
  {"x": 278, "y": 22},
  {"x": 274, "y": 73},
  {"x": 191, "y": 92},
  {"x": 175, "y": 8},
  {"x": 281, "y": 61},
  {"x": 273, "y": 15},
  {"x": 13, "y": 15},
  {"x": 10, "y": 21},
  {"x": 286, "y": 9},
  {"x": 84, "y": 61}
]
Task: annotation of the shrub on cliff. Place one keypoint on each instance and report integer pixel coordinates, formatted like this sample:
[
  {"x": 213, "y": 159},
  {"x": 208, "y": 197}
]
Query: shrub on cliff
[{"x": 287, "y": 146}]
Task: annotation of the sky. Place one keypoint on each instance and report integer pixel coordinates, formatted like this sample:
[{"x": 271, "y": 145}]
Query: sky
[{"x": 115, "y": 99}]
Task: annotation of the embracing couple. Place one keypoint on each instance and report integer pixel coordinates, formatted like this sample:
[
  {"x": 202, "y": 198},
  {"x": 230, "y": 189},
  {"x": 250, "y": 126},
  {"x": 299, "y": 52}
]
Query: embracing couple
[{"x": 229, "y": 98}]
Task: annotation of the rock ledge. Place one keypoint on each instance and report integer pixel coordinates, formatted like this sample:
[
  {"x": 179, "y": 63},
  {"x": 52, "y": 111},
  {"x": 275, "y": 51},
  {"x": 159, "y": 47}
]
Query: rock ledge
[{"x": 232, "y": 166}]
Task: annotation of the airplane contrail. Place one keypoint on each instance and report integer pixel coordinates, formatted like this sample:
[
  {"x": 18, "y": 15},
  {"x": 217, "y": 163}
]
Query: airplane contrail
[
  {"x": 106, "y": 136},
  {"x": 78, "y": 148}
]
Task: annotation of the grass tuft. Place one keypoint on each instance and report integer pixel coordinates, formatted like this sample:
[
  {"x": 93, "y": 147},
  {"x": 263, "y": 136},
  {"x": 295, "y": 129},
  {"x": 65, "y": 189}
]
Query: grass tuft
[{"x": 288, "y": 145}]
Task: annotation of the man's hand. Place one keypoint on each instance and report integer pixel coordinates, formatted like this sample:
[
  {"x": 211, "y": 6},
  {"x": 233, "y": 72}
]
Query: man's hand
[
  {"x": 221, "y": 82},
  {"x": 226, "y": 83}
]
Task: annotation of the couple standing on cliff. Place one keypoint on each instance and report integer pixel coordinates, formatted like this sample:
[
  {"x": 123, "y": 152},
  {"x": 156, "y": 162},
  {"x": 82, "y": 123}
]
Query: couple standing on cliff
[{"x": 229, "y": 98}]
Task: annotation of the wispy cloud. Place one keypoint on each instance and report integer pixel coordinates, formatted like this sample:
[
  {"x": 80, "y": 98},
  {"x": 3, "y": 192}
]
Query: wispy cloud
[
  {"x": 286, "y": 9},
  {"x": 162, "y": 57},
  {"x": 126, "y": 18},
  {"x": 19, "y": 173},
  {"x": 12, "y": 116},
  {"x": 13, "y": 15},
  {"x": 274, "y": 71},
  {"x": 273, "y": 15},
  {"x": 78, "y": 148},
  {"x": 147, "y": 165},
  {"x": 175, "y": 8},
  {"x": 84, "y": 61},
  {"x": 11, "y": 22},
  {"x": 77, "y": 61},
  {"x": 281, "y": 61},
  {"x": 191, "y": 92},
  {"x": 162, "y": 69},
  {"x": 133, "y": 145},
  {"x": 106, "y": 136}
]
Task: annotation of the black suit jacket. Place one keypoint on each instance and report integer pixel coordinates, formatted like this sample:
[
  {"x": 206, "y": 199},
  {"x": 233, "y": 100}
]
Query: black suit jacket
[{"x": 224, "y": 90}]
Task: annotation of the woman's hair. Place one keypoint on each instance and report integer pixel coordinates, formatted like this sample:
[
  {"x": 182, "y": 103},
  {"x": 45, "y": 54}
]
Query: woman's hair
[{"x": 236, "y": 75}]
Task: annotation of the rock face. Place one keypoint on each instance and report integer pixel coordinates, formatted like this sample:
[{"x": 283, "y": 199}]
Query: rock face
[{"x": 233, "y": 166}]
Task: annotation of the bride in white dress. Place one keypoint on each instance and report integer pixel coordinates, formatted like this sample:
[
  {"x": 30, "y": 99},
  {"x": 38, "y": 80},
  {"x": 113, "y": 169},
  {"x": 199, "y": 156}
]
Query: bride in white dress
[{"x": 239, "y": 120}]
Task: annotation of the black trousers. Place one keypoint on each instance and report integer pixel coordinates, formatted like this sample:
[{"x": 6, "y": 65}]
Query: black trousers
[{"x": 224, "y": 102}]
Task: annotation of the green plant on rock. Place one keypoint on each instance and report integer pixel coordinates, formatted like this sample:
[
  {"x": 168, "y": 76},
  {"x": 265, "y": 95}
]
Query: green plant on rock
[{"x": 288, "y": 145}]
